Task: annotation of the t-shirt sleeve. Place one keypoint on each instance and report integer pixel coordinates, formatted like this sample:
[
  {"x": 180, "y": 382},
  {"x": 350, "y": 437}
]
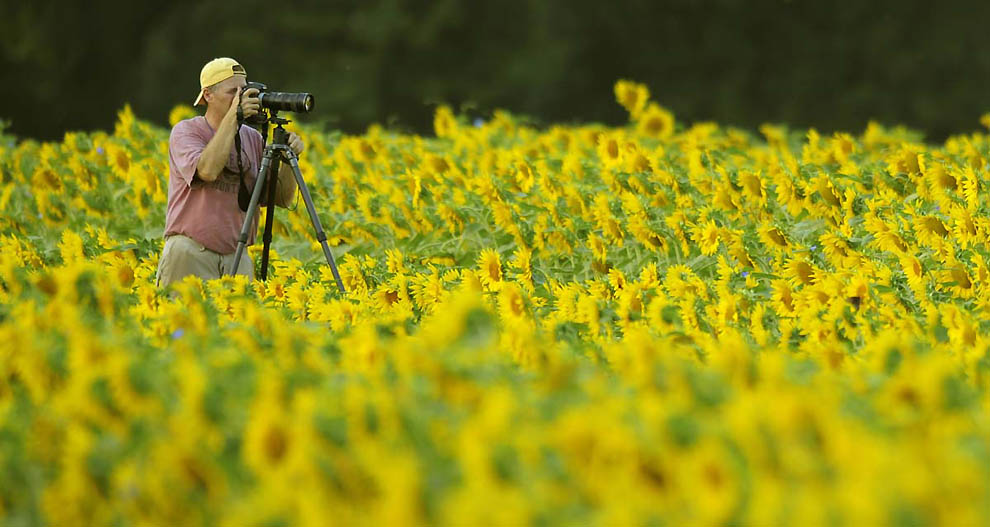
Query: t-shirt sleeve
[{"x": 185, "y": 146}]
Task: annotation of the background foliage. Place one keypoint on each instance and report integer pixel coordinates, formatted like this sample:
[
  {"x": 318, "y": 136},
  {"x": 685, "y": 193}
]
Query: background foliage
[{"x": 831, "y": 65}]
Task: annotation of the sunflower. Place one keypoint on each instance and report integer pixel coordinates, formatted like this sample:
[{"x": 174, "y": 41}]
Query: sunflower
[
  {"x": 800, "y": 272},
  {"x": 681, "y": 283},
  {"x": 772, "y": 236},
  {"x": 837, "y": 250},
  {"x": 857, "y": 291},
  {"x": 428, "y": 291},
  {"x": 599, "y": 249},
  {"x": 394, "y": 261},
  {"x": 125, "y": 122},
  {"x": 180, "y": 112},
  {"x": 436, "y": 165},
  {"x": 914, "y": 272},
  {"x": 930, "y": 230},
  {"x": 489, "y": 267},
  {"x": 889, "y": 241},
  {"x": 71, "y": 247},
  {"x": 444, "y": 122},
  {"x": 638, "y": 226},
  {"x": 726, "y": 198},
  {"x": 753, "y": 186},
  {"x": 842, "y": 145},
  {"x": 904, "y": 161},
  {"x": 940, "y": 179},
  {"x": 792, "y": 194},
  {"x": 707, "y": 473},
  {"x": 970, "y": 188},
  {"x": 511, "y": 304},
  {"x": 522, "y": 262},
  {"x": 632, "y": 96},
  {"x": 587, "y": 312},
  {"x": 270, "y": 439},
  {"x": 656, "y": 122},
  {"x": 963, "y": 227},
  {"x": 959, "y": 281},
  {"x": 610, "y": 151},
  {"x": 707, "y": 237},
  {"x": 757, "y": 327},
  {"x": 524, "y": 176},
  {"x": 385, "y": 297},
  {"x": 829, "y": 192},
  {"x": 980, "y": 270},
  {"x": 351, "y": 275},
  {"x": 649, "y": 277},
  {"x": 737, "y": 249}
]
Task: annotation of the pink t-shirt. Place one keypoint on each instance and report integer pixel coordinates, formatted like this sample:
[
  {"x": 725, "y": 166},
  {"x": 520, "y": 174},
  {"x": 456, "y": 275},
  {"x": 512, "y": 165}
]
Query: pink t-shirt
[{"x": 208, "y": 211}]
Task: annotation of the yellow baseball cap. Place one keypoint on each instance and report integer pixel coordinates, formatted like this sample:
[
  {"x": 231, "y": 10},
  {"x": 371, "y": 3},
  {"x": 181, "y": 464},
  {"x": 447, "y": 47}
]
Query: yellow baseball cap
[{"x": 215, "y": 71}]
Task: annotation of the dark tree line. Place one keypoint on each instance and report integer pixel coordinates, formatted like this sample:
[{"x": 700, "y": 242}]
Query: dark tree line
[{"x": 832, "y": 65}]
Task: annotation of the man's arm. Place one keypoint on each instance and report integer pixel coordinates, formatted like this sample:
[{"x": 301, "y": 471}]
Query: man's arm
[{"x": 217, "y": 151}]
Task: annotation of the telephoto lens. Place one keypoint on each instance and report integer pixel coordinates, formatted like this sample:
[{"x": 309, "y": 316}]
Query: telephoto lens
[{"x": 286, "y": 101}]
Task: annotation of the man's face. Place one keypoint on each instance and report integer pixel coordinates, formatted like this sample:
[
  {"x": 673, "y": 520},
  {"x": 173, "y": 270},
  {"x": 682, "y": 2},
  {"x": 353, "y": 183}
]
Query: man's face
[{"x": 223, "y": 92}]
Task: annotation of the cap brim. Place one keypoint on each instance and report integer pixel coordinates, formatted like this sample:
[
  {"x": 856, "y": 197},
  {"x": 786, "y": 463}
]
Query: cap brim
[{"x": 199, "y": 99}]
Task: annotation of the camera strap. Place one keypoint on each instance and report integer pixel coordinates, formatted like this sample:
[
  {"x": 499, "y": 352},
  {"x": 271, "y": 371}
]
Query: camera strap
[{"x": 243, "y": 195}]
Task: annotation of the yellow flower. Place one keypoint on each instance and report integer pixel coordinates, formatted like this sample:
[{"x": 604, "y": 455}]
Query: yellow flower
[
  {"x": 351, "y": 275},
  {"x": 180, "y": 112},
  {"x": 800, "y": 272},
  {"x": 394, "y": 261},
  {"x": 272, "y": 441},
  {"x": 125, "y": 122},
  {"x": 511, "y": 306},
  {"x": 490, "y": 268},
  {"x": 598, "y": 247},
  {"x": 610, "y": 151},
  {"x": 71, "y": 247},
  {"x": 681, "y": 282},
  {"x": 914, "y": 271},
  {"x": 522, "y": 262},
  {"x": 772, "y": 236},
  {"x": 963, "y": 227},
  {"x": 930, "y": 230},
  {"x": 837, "y": 250},
  {"x": 428, "y": 291},
  {"x": 656, "y": 122},
  {"x": 959, "y": 281},
  {"x": 708, "y": 475},
  {"x": 707, "y": 237},
  {"x": 753, "y": 186},
  {"x": 632, "y": 96},
  {"x": 444, "y": 122}
]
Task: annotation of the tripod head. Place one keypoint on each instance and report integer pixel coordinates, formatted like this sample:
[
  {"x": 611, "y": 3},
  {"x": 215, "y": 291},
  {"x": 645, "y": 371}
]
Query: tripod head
[
  {"x": 279, "y": 135},
  {"x": 263, "y": 119}
]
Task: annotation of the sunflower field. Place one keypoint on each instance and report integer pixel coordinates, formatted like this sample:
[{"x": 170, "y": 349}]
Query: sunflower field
[{"x": 662, "y": 323}]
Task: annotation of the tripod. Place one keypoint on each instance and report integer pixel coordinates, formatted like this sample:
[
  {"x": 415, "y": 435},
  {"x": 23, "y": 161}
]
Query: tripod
[{"x": 275, "y": 153}]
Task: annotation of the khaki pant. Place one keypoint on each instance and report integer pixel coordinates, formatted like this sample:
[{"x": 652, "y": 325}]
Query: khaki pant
[{"x": 183, "y": 256}]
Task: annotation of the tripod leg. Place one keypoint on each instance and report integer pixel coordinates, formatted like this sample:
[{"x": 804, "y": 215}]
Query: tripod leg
[
  {"x": 320, "y": 236},
  {"x": 259, "y": 184},
  {"x": 270, "y": 215}
]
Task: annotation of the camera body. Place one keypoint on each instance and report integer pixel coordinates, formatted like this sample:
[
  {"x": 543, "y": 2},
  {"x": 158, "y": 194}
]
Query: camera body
[{"x": 277, "y": 101}]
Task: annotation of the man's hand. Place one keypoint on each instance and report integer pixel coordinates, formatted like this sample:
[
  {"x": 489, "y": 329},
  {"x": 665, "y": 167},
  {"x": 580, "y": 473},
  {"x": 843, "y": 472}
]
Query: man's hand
[
  {"x": 250, "y": 105},
  {"x": 295, "y": 143}
]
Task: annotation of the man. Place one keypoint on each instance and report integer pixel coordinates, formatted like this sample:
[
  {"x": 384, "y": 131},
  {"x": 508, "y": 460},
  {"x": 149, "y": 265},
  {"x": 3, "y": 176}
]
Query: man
[{"x": 203, "y": 219}]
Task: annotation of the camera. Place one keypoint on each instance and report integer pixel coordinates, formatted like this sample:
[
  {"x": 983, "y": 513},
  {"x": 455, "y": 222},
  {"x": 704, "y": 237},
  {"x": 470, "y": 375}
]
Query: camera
[{"x": 277, "y": 101}]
